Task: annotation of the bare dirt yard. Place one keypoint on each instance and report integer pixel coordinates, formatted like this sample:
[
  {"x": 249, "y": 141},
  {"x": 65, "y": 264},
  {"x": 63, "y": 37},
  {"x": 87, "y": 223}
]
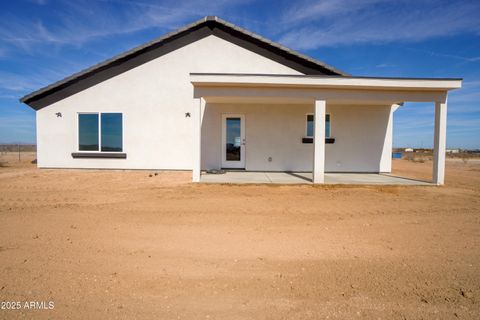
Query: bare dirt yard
[{"x": 124, "y": 244}]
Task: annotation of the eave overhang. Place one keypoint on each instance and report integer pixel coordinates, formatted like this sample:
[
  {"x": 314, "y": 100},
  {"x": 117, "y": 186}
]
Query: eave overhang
[
  {"x": 276, "y": 88},
  {"x": 309, "y": 81}
]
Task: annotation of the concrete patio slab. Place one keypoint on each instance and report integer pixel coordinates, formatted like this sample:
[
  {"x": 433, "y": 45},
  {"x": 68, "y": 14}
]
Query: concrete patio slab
[{"x": 244, "y": 177}]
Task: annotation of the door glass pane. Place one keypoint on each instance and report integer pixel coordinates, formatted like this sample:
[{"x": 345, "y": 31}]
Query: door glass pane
[
  {"x": 111, "y": 132},
  {"x": 234, "y": 139},
  {"x": 88, "y": 132}
]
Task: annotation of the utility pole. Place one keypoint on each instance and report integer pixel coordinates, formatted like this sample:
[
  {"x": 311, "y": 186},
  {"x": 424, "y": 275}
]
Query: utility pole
[{"x": 18, "y": 147}]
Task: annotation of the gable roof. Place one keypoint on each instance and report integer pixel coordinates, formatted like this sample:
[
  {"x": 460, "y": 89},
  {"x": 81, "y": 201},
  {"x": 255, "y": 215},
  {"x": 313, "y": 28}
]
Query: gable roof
[{"x": 200, "y": 29}]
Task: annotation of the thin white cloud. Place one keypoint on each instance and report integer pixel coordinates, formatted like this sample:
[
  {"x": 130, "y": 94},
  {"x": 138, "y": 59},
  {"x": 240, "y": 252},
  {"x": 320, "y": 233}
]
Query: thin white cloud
[
  {"x": 8, "y": 96},
  {"x": 473, "y": 123},
  {"x": 17, "y": 84},
  {"x": 446, "y": 55},
  {"x": 459, "y": 102},
  {"x": 463, "y": 108},
  {"x": 304, "y": 11},
  {"x": 385, "y": 65},
  {"x": 78, "y": 22},
  {"x": 471, "y": 84},
  {"x": 346, "y": 22},
  {"x": 467, "y": 99},
  {"x": 465, "y": 96}
]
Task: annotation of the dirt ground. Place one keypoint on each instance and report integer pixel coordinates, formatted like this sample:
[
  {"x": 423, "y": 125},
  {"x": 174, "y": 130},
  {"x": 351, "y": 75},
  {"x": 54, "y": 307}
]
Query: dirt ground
[{"x": 122, "y": 244}]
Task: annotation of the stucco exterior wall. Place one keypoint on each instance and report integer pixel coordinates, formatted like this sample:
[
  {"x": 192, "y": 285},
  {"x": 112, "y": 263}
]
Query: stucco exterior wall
[
  {"x": 274, "y": 131},
  {"x": 363, "y": 137},
  {"x": 153, "y": 98}
]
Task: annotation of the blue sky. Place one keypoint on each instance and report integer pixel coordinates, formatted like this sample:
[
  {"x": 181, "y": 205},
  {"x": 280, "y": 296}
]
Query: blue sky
[{"x": 42, "y": 41}]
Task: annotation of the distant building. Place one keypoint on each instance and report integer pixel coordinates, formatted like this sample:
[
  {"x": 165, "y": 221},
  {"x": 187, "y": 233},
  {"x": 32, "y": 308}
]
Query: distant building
[
  {"x": 408, "y": 150},
  {"x": 452, "y": 151}
]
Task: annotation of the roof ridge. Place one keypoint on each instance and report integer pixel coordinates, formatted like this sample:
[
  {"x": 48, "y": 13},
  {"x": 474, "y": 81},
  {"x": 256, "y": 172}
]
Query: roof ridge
[{"x": 278, "y": 45}]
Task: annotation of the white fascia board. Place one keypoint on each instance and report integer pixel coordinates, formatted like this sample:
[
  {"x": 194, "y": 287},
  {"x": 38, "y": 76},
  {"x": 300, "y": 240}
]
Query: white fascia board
[{"x": 296, "y": 81}]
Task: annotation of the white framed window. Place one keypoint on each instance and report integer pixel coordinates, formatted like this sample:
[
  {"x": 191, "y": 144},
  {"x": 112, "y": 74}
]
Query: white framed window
[
  {"x": 100, "y": 132},
  {"x": 310, "y": 118}
]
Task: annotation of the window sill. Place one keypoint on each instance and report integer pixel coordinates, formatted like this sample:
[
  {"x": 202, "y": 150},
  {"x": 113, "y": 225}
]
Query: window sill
[
  {"x": 99, "y": 155},
  {"x": 310, "y": 140}
]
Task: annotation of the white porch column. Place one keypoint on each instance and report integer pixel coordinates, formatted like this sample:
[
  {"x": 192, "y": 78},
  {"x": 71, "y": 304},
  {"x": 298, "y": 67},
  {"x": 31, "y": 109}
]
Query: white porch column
[
  {"x": 197, "y": 138},
  {"x": 439, "y": 142},
  {"x": 319, "y": 142}
]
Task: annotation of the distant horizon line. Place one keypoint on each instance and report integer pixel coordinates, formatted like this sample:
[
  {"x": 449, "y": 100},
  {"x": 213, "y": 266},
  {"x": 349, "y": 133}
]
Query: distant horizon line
[{"x": 403, "y": 147}]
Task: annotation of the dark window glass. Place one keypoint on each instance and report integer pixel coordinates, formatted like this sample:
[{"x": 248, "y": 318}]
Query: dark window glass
[
  {"x": 111, "y": 132},
  {"x": 88, "y": 132},
  {"x": 310, "y": 125},
  {"x": 327, "y": 125},
  {"x": 233, "y": 139}
]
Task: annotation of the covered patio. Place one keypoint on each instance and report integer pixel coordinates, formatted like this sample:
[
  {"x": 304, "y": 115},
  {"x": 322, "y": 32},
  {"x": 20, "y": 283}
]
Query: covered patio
[
  {"x": 348, "y": 97},
  {"x": 250, "y": 177}
]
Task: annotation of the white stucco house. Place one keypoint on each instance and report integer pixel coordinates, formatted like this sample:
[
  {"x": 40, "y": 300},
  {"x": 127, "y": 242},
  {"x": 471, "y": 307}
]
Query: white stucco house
[{"x": 212, "y": 95}]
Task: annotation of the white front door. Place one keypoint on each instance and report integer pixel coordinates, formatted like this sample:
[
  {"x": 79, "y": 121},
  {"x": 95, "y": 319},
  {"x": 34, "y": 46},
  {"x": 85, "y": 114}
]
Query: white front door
[{"x": 233, "y": 141}]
